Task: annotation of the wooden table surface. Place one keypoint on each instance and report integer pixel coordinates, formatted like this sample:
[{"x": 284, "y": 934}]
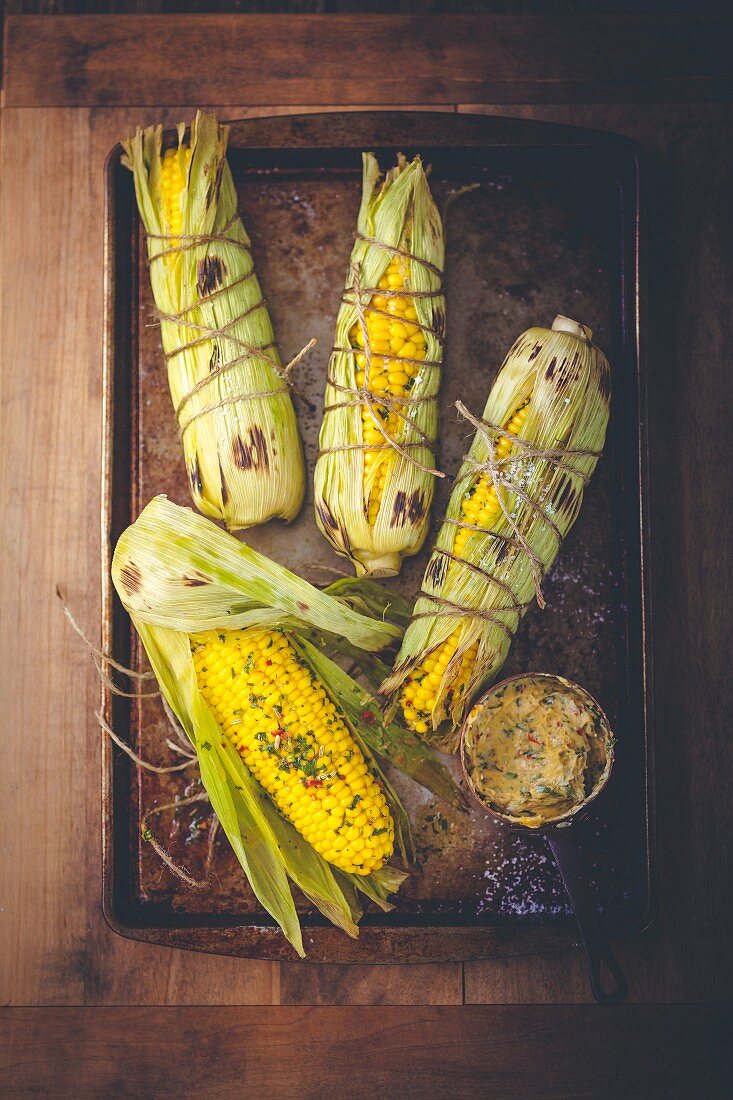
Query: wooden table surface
[{"x": 73, "y": 85}]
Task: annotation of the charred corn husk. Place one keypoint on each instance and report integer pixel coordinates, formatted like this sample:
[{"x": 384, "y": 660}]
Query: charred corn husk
[
  {"x": 372, "y": 501},
  {"x": 288, "y": 745},
  {"x": 550, "y": 404},
  {"x": 243, "y": 453}
]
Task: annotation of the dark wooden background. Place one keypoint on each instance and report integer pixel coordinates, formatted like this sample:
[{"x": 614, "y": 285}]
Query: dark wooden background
[{"x": 90, "y": 1014}]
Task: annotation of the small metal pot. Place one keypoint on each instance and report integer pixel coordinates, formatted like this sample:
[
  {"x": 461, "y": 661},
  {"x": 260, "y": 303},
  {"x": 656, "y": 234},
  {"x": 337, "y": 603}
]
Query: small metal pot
[{"x": 563, "y": 842}]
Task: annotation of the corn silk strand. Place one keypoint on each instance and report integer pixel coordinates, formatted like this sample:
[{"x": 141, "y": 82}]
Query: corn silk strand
[{"x": 100, "y": 658}]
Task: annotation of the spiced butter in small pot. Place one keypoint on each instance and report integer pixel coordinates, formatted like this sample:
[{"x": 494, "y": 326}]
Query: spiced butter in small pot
[{"x": 536, "y": 749}]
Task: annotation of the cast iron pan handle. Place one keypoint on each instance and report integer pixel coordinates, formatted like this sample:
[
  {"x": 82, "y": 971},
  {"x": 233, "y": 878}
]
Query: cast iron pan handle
[{"x": 597, "y": 948}]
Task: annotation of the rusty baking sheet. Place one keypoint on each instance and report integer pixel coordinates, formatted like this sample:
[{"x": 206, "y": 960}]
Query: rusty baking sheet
[{"x": 553, "y": 228}]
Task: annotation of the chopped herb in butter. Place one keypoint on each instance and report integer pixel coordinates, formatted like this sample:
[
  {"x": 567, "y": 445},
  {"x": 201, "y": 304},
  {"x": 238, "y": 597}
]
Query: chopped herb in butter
[{"x": 535, "y": 749}]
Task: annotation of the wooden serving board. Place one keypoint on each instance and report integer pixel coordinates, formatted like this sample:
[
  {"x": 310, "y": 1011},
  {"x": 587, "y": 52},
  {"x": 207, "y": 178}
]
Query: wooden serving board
[{"x": 553, "y": 228}]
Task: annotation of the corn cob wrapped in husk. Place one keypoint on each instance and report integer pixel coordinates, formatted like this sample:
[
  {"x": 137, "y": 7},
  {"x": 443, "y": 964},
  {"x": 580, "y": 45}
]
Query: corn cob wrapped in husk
[
  {"x": 241, "y": 445},
  {"x": 374, "y": 476},
  {"x": 517, "y": 494},
  {"x": 290, "y": 748}
]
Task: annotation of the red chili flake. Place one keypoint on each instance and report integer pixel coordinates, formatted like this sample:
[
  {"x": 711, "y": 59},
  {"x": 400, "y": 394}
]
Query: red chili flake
[
  {"x": 268, "y": 661},
  {"x": 279, "y": 732},
  {"x": 314, "y": 783},
  {"x": 533, "y": 739},
  {"x": 368, "y": 717}
]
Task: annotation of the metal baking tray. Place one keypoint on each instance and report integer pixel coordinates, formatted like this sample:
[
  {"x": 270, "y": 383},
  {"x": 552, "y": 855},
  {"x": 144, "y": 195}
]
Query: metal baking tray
[{"x": 553, "y": 228}]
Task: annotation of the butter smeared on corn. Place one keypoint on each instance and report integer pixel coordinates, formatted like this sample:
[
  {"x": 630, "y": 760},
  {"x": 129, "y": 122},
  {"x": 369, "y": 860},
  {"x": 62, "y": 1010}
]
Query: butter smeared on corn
[{"x": 290, "y": 735}]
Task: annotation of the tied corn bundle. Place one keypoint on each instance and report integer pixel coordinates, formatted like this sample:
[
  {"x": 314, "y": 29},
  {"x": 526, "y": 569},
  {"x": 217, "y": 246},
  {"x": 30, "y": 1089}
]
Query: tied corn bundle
[
  {"x": 517, "y": 494},
  {"x": 374, "y": 475},
  {"x": 288, "y": 745},
  {"x": 240, "y": 437}
]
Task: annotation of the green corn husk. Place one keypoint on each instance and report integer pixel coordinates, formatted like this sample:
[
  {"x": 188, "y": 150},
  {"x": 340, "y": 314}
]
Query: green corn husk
[
  {"x": 178, "y": 574},
  {"x": 398, "y": 211},
  {"x": 244, "y": 457},
  {"x": 565, "y": 381}
]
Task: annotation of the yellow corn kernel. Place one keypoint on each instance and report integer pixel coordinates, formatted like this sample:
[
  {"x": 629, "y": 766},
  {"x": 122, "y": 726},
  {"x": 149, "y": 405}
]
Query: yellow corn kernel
[
  {"x": 386, "y": 376},
  {"x": 172, "y": 188},
  {"x": 479, "y": 507},
  {"x": 279, "y": 718}
]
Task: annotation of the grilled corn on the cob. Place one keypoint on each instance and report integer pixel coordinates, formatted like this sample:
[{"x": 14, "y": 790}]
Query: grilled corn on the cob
[
  {"x": 372, "y": 500},
  {"x": 479, "y": 508},
  {"x": 288, "y": 745},
  {"x": 281, "y": 720},
  {"x": 550, "y": 402},
  {"x": 241, "y": 445}
]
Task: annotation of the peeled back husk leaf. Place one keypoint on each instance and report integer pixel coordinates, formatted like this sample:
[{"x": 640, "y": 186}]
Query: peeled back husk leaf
[
  {"x": 180, "y": 571},
  {"x": 269, "y": 848},
  {"x": 178, "y": 574}
]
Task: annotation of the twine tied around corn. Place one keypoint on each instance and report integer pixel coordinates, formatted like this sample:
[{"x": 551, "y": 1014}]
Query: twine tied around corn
[
  {"x": 204, "y": 333},
  {"x": 362, "y": 396},
  {"x": 181, "y": 747},
  {"x": 395, "y": 250},
  {"x": 494, "y": 615},
  {"x": 499, "y": 471}
]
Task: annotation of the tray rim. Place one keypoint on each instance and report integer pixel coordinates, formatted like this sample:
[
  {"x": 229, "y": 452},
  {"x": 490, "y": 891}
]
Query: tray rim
[{"x": 422, "y": 942}]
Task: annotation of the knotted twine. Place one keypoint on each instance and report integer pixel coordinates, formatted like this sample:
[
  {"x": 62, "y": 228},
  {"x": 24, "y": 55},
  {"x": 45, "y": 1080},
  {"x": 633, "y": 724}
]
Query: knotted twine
[
  {"x": 204, "y": 333},
  {"x": 363, "y": 396},
  {"x": 500, "y": 472}
]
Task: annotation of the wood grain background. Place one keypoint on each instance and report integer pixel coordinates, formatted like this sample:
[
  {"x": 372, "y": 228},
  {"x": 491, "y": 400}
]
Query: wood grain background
[
  {"x": 430, "y": 1053},
  {"x": 72, "y": 87},
  {"x": 453, "y": 58}
]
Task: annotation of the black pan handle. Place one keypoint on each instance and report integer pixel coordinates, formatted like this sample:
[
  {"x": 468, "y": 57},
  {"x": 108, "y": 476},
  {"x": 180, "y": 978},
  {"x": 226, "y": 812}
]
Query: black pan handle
[{"x": 597, "y": 948}]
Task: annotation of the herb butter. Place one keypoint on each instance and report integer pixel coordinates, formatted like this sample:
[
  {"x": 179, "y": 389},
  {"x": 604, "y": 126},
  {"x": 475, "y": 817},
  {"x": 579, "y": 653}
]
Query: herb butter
[{"x": 535, "y": 748}]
